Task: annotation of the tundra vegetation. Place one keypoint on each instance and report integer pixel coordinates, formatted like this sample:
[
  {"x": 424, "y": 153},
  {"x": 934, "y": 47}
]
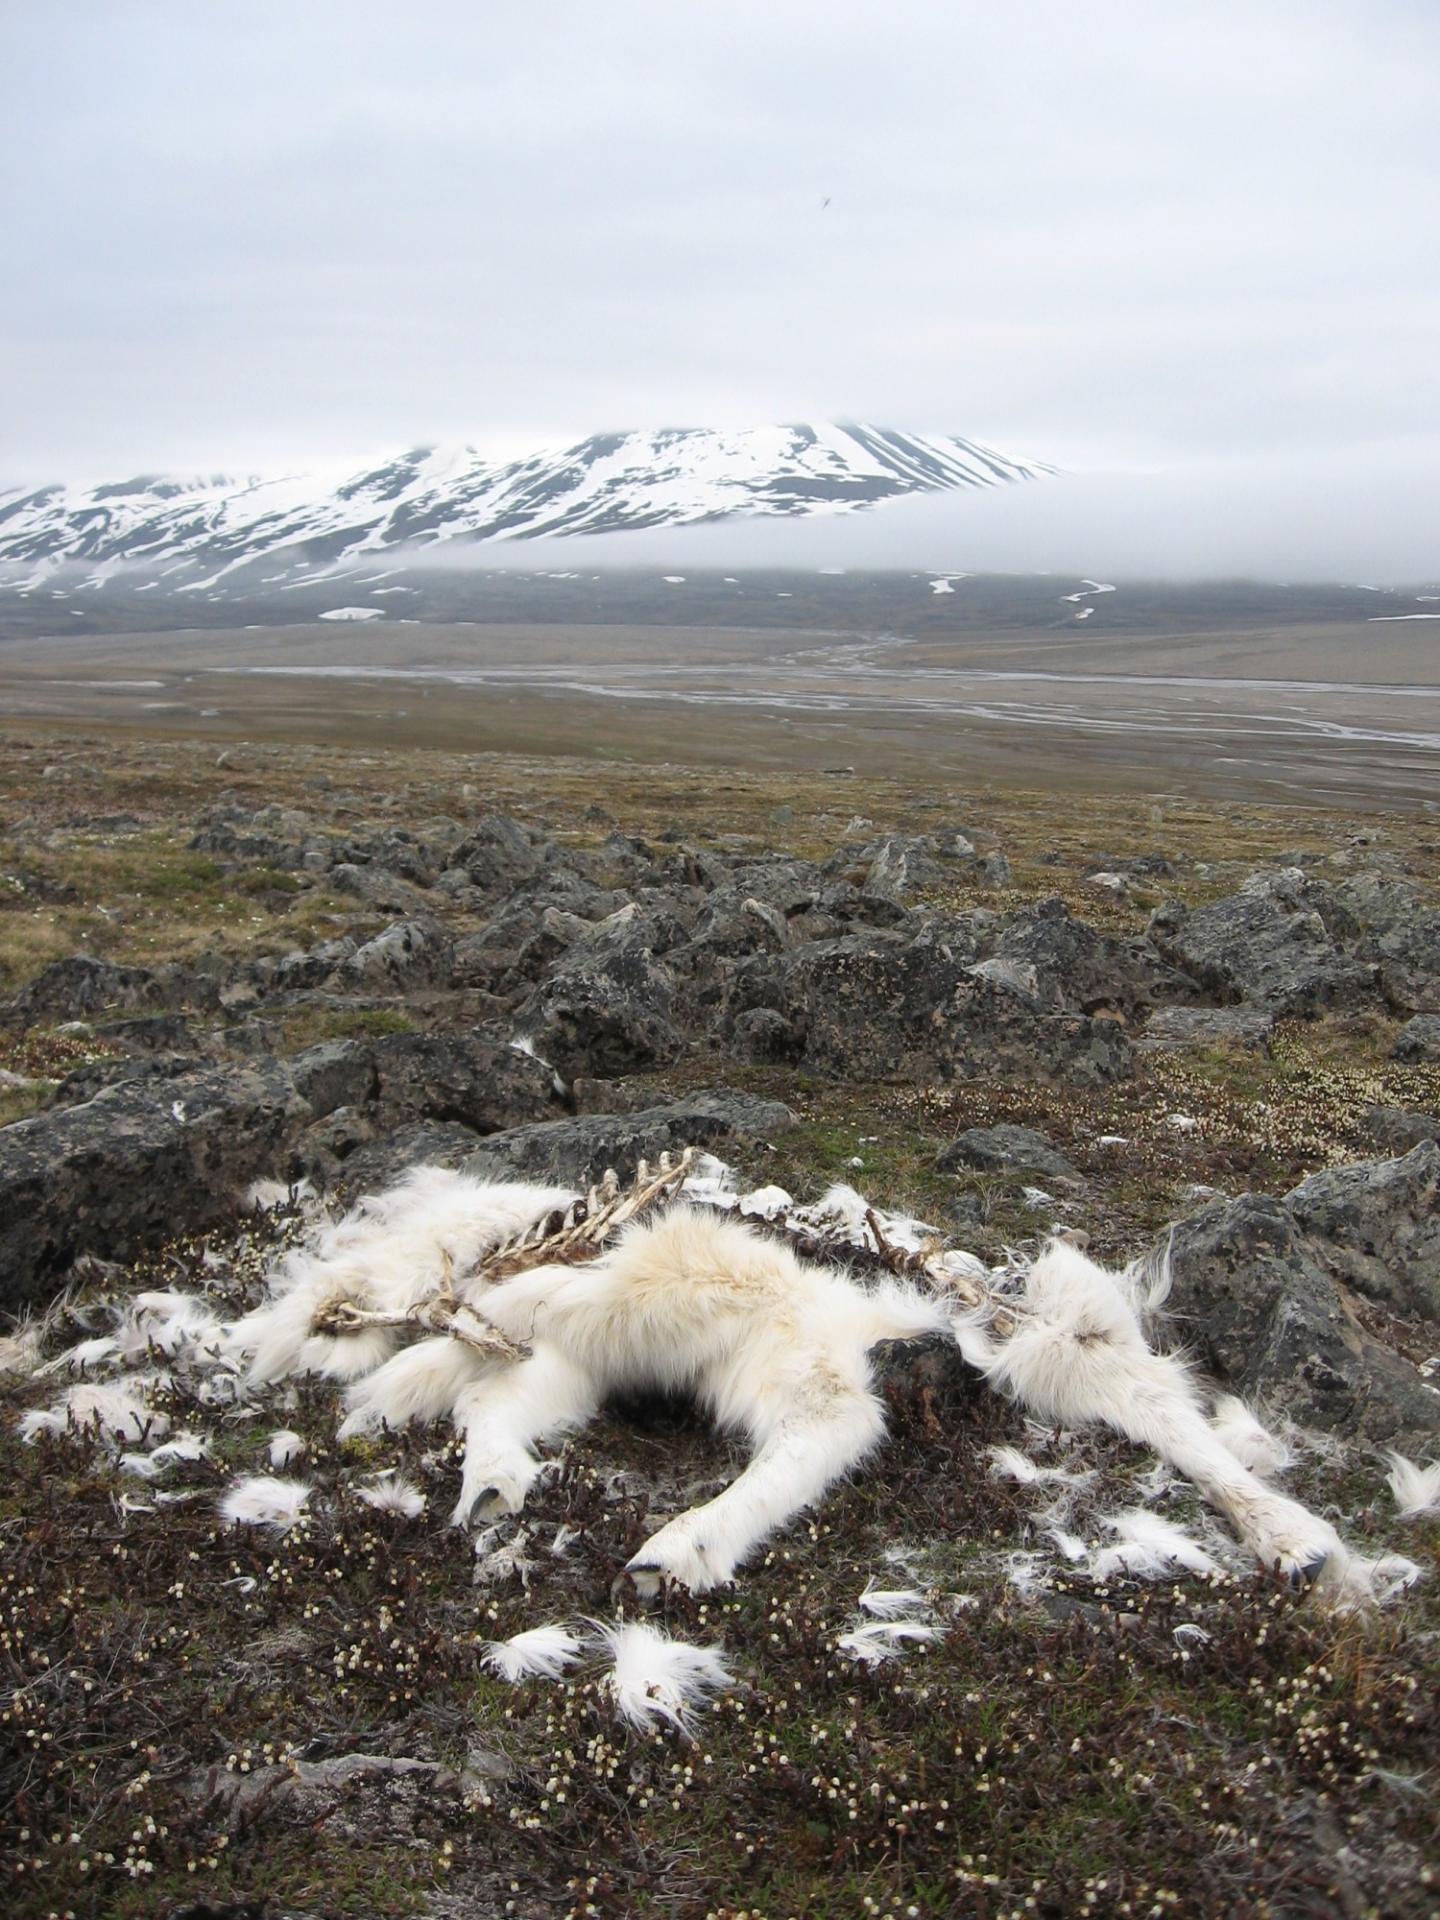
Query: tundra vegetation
[{"x": 202, "y": 1718}]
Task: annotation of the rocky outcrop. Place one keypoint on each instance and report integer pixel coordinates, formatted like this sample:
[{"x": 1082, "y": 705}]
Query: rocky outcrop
[
  {"x": 575, "y": 1151},
  {"x": 1262, "y": 1294},
  {"x": 1376, "y": 1227},
  {"x": 136, "y": 1164},
  {"x": 1269, "y": 944},
  {"x": 880, "y": 1007}
]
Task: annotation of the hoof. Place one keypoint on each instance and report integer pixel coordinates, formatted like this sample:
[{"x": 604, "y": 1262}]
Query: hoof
[
  {"x": 1309, "y": 1571},
  {"x": 647, "y": 1577}
]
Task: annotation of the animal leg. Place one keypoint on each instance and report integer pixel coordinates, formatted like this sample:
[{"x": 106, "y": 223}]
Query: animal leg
[
  {"x": 803, "y": 1455},
  {"x": 503, "y": 1416},
  {"x": 1278, "y": 1530}
]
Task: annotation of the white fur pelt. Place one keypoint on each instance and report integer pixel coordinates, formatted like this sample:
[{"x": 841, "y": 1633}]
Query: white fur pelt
[{"x": 775, "y": 1348}]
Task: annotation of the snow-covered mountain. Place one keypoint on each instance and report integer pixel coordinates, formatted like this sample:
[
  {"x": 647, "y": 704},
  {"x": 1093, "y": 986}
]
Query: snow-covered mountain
[{"x": 222, "y": 536}]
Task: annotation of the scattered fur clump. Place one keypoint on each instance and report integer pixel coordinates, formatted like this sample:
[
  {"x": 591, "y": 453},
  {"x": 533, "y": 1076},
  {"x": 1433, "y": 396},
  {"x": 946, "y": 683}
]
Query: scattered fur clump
[
  {"x": 1416, "y": 1489},
  {"x": 264, "y": 1500},
  {"x": 539, "y": 1653},
  {"x": 654, "y": 1679}
]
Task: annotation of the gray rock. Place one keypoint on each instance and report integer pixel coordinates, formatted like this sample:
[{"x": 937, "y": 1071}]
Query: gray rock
[
  {"x": 1267, "y": 1321},
  {"x": 336, "y": 1073},
  {"x": 472, "y": 1079},
  {"x": 1005, "y": 1149},
  {"x": 905, "y": 864},
  {"x": 605, "y": 1008},
  {"x": 1268, "y": 944},
  {"x": 138, "y": 1162},
  {"x": 1073, "y": 966},
  {"x": 575, "y": 1151},
  {"x": 1397, "y": 1129},
  {"x": 498, "y": 852},
  {"x": 876, "y": 1006},
  {"x": 1408, "y": 957},
  {"x": 80, "y": 985},
  {"x": 1173, "y": 1029},
  {"x": 310, "y": 967},
  {"x": 408, "y": 954},
  {"x": 1377, "y": 1227},
  {"x": 1419, "y": 1039},
  {"x": 379, "y": 888}
]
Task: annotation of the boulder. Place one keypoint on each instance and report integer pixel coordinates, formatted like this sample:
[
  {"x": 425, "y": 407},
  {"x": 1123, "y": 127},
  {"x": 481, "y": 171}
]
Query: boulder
[
  {"x": 1071, "y": 965},
  {"x": 1376, "y": 1227},
  {"x": 1005, "y": 1149},
  {"x": 876, "y": 1006},
  {"x": 498, "y": 852},
  {"x": 379, "y": 888},
  {"x": 579, "y": 1150},
  {"x": 1174, "y": 1029},
  {"x": 1419, "y": 1039},
  {"x": 1397, "y": 1129},
  {"x": 74, "y": 988},
  {"x": 1267, "y": 1321},
  {"x": 471, "y": 1079},
  {"x": 605, "y": 1007},
  {"x": 135, "y": 1164},
  {"x": 411, "y": 953},
  {"x": 1268, "y": 944}
]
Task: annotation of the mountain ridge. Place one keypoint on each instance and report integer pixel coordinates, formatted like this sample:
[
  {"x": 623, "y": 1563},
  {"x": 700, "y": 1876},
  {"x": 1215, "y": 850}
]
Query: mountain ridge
[{"x": 222, "y": 527}]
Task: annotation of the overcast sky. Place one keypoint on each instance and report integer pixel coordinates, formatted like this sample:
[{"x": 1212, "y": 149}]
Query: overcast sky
[{"x": 1115, "y": 235}]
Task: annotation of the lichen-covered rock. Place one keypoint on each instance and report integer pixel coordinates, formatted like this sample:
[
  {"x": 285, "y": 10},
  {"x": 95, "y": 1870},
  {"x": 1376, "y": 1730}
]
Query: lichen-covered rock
[
  {"x": 605, "y": 1006},
  {"x": 475, "y": 1080},
  {"x": 1268, "y": 944},
  {"x": 1419, "y": 1039},
  {"x": 581, "y": 1149},
  {"x": 498, "y": 852},
  {"x": 1376, "y": 1226},
  {"x": 1005, "y": 1149},
  {"x": 378, "y": 887},
  {"x": 80, "y": 986},
  {"x": 877, "y": 1006},
  {"x": 1253, "y": 1301},
  {"x": 135, "y": 1164},
  {"x": 1071, "y": 965},
  {"x": 1174, "y": 1029},
  {"x": 408, "y": 954}
]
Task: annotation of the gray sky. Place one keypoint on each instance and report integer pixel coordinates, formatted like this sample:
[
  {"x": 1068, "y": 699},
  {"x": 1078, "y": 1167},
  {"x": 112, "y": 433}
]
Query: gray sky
[{"x": 1116, "y": 235}]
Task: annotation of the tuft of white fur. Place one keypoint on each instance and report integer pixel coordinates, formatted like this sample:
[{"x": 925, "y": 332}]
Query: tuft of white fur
[
  {"x": 1149, "y": 1548},
  {"x": 1416, "y": 1489},
  {"x": 391, "y": 1492},
  {"x": 185, "y": 1446},
  {"x": 85, "y": 1353},
  {"x": 1253, "y": 1445},
  {"x": 263, "y": 1500},
  {"x": 285, "y": 1448},
  {"x": 654, "y": 1679},
  {"x": 892, "y": 1603},
  {"x": 885, "y": 1640},
  {"x": 20, "y": 1351},
  {"x": 540, "y": 1653},
  {"x": 117, "y": 1413},
  {"x": 1008, "y": 1463},
  {"x": 1070, "y": 1544}
]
